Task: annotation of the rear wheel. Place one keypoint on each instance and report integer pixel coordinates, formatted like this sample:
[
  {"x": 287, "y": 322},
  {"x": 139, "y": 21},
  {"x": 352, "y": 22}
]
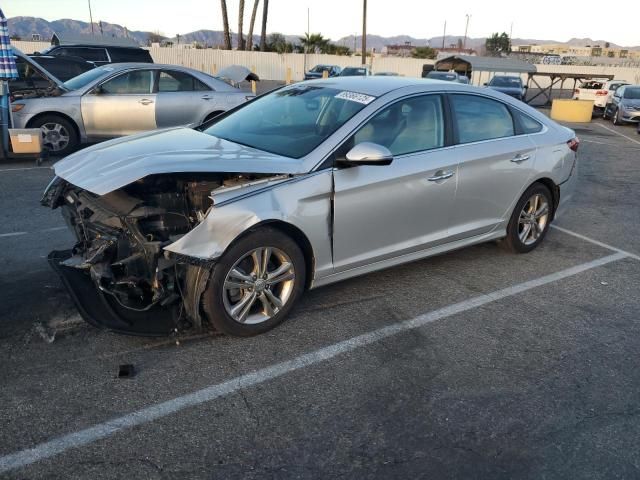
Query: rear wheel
[
  {"x": 530, "y": 219},
  {"x": 59, "y": 135},
  {"x": 255, "y": 284}
]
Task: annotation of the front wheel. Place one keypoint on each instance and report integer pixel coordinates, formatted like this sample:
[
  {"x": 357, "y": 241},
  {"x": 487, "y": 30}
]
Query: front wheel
[
  {"x": 255, "y": 284},
  {"x": 58, "y": 134},
  {"x": 530, "y": 219},
  {"x": 616, "y": 117}
]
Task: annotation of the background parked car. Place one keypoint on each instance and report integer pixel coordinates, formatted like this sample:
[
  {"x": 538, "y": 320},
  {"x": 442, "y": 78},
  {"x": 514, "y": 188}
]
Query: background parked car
[
  {"x": 63, "y": 68},
  {"x": 318, "y": 70},
  {"x": 448, "y": 77},
  {"x": 625, "y": 105},
  {"x": 600, "y": 92},
  {"x": 121, "y": 99},
  {"x": 99, "y": 50},
  {"x": 362, "y": 71},
  {"x": 509, "y": 85}
]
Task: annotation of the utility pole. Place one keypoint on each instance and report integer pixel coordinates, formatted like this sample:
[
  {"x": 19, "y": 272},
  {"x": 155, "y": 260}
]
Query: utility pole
[
  {"x": 90, "y": 16},
  {"x": 364, "y": 32},
  {"x": 466, "y": 28},
  {"x": 444, "y": 33},
  {"x": 306, "y": 45},
  {"x": 510, "y": 37}
]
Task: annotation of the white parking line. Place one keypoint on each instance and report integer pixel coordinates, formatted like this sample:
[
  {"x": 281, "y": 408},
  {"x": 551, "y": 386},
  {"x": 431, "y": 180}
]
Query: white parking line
[
  {"x": 596, "y": 242},
  {"x": 618, "y": 133},
  {"x": 103, "y": 430},
  {"x": 21, "y": 169},
  {"x": 17, "y": 234}
]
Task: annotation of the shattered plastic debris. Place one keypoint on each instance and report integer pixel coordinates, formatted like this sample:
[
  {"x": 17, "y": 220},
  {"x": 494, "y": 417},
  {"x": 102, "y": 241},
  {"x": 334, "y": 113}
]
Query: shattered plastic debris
[{"x": 126, "y": 370}]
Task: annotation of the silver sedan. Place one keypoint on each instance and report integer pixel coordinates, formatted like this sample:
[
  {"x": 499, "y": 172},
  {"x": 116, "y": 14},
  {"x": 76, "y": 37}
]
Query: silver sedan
[
  {"x": 228, "y": 224},
  {"x": 122, "y": 99}
]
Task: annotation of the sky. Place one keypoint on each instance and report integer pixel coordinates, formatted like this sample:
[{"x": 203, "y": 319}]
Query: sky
[{"x": 542, "y": 19}]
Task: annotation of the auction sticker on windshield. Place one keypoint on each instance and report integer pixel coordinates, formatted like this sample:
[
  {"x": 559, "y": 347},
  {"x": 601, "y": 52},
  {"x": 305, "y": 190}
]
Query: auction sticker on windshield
[{"x": 356, "y": 97}]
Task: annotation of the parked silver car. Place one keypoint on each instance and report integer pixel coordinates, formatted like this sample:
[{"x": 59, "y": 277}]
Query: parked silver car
[
  {"x": 124, "y": 98},
  {"x": 311, "y": 184}
]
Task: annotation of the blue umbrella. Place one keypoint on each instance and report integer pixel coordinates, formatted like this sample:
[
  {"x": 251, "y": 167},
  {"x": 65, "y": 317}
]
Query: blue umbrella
[{"x": 8, "y": 70}]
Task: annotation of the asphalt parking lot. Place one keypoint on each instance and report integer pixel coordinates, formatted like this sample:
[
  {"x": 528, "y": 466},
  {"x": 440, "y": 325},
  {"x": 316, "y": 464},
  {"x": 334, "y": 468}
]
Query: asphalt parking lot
[{"x": 474, "y": 364}]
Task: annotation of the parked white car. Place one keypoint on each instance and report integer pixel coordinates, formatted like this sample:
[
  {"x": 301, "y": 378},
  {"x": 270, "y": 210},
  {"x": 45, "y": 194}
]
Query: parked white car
[{"x": 598, "y": 91}]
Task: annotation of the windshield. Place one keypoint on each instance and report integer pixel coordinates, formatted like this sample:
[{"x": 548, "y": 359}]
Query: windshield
[
  {"x": 86, "y": 78},
  {"x": 290, "y": 122},
  {"x": 632, "y": 93},
  {"x": 511, "y": 82},
  {"x": 442, "y": 76},
  {"x": 352, "y": 72}
]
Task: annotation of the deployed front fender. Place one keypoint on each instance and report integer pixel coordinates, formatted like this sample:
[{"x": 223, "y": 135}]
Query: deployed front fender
[{"x": 304, "y": 202}]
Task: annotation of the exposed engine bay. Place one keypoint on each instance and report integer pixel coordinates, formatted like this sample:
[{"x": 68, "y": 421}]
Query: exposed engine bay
[{"x": 119, "y": 246}]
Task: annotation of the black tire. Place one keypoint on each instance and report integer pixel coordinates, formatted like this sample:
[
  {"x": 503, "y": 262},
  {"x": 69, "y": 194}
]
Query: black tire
[
  {"x": 512, "y": 242},
  {"x": 45, "y": 122},
  {"x": 616, "y": 117},
  {"x": 213, "y": 301}
]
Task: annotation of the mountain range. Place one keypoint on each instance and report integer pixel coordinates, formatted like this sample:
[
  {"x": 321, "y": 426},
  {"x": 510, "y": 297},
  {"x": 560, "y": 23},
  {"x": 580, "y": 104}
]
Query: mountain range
[{"x": 25, "y": 27}]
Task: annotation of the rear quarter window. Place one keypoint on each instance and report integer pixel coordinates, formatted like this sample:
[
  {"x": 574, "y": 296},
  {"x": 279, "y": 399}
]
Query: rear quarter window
[{"x": 526, "y": 123}]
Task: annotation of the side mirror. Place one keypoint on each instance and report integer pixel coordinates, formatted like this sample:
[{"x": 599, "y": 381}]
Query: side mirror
[
  {"x": 486, "y": 84},
  {"x": 98, "y": 90},
  {"x": 368, "y": 153},
  {"x": 526, "y": 87}
]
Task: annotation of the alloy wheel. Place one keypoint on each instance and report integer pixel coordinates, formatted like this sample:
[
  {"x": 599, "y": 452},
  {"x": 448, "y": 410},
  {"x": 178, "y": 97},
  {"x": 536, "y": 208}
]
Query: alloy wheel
[
  {"x": 258, "y": 285},
  {"x": 55, "y": 137},
  {"x": 533, "y": 219}
]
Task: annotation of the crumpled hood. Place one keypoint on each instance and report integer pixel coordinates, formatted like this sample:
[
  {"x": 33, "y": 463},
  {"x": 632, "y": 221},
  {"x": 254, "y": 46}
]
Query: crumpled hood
[{"x": 111, "y": 165}]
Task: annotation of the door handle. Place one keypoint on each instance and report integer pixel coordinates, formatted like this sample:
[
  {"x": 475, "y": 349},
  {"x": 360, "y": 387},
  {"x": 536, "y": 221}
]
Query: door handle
[
  {"x": 440, "y": 175},
  {"x": 520, "y": 158},
  {"x": 145, "y": 101},
  {"x": 206, "y": 97}
]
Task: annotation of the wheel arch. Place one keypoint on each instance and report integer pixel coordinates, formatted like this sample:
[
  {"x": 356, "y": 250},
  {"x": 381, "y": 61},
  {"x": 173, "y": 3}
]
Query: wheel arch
[
  {"x": 553, "y": 188},
  {"x": 53, "y": 113},
  {"x": 296, "y": 234}
]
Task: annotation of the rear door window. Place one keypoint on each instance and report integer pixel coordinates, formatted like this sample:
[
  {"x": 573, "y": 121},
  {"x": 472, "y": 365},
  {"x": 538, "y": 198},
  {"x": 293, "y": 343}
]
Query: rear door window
[
  {"x": 174, "y": 81},
  {"x": 480, "y": 118}
]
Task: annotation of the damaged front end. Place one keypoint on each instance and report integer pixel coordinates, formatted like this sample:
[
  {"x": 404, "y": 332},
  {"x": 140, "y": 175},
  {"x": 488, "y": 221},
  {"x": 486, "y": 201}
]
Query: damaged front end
[{"x": 118, "y": 273}]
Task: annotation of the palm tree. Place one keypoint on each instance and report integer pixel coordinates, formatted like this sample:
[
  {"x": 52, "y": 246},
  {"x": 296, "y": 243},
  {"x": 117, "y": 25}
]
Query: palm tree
[
  {"x": 263, "y": 34},
  {"x": 225, "y": 24},
  {"x": 251, "y": 24},
  {"x": 315, "y": 42},
  {"x": 240, "y": 20}
]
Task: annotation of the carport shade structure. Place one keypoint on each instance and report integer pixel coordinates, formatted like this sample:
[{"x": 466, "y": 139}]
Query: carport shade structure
[{"x": 466, "y": 64}]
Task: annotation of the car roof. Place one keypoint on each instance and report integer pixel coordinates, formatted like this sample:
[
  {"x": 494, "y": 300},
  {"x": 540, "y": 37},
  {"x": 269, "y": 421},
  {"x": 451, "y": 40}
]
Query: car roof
[{"x": 379, "y": 85}]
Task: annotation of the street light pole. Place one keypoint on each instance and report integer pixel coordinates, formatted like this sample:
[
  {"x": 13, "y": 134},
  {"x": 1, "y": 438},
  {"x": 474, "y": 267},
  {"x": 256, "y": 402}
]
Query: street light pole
[
  {"x": 466, "y": 28},
  {"x": 364, "y": 32},
  {"x": 444, "y": 33},
  {"x": 90, "y": 16}
]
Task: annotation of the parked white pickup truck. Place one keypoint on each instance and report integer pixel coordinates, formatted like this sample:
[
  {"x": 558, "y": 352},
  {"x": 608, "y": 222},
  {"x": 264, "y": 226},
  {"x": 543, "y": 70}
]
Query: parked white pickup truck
[{"x": 598, "y": 91}]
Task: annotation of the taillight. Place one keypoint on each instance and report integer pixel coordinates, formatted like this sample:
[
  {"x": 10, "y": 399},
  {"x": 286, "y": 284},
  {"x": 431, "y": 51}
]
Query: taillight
[
  {"x": 601, "y": 93},
  {"x": 573, "y": 144}
]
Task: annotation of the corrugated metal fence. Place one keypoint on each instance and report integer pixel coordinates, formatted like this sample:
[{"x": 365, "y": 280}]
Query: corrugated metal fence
[{"x": 273, "y": 66}]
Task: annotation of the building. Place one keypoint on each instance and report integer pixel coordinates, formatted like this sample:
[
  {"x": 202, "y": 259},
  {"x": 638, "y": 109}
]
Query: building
[
  {"x": 399, "y": 50},
  {"x": 578, "y": 51}
]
